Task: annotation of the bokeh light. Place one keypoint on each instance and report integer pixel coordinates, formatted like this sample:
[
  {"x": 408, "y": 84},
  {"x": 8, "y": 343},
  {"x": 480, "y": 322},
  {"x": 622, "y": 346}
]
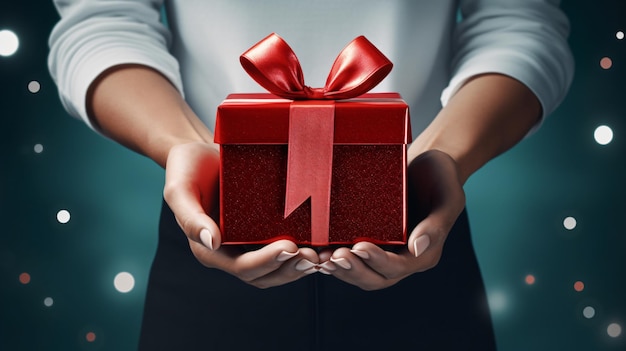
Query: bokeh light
[
  {"x": 38, "y": 148},
  {"x": 589, "y": 312},
  {"x": 124, "y": 282},
  {"x": 34, "y": 86},
  {"x": 603, "y": 135},
  {"x": 619, "y": 35},
  {"x": 579, "y": 286},
  {"x": 497, "y": 301},
  {"x": 530, "y": 279},
  {"x": 614, "y": 330},
  {"x": 24, "y": 278},
  {"x": 48, "y": 302},
  {"x": 90, "y": 336},
  {"x": 606, "y": 63},
  {"x": 569, "y": 223},
  {"x": 9, "y": 43},
  {"x": 63, "y": 216}
]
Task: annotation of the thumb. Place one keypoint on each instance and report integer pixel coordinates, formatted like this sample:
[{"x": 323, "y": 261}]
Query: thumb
[
  {"x": 190, "y": 215},
  {"x": 200, "y": 228},
  {"x": 432, "y": 231},
  {"x": 191, "y": 189}
]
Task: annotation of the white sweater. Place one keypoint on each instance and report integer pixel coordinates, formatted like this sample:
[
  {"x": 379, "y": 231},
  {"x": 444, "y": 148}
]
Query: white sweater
[{"x": 434, "y": 46}]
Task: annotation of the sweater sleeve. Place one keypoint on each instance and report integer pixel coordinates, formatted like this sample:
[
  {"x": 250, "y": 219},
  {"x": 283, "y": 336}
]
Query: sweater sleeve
[
  {"x": 523, "y": 39},
  {"x": 94, "y": 35}
]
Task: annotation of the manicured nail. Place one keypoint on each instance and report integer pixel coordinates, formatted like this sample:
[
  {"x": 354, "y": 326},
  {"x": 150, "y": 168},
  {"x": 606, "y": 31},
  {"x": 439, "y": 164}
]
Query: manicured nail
[
  {"x": 304, "y": 265},
  {"x": 311, "y": 270},
  {"x": 324, "y": 271},
  {"x": 328, "y": 266},
  {"x": 421, "y": 244},
  {"x": 341, "y": 262},
  {"x": 363, "y": 254},
  {"x": 207, "y": 238},
  {"x": 284, "y": 256}
]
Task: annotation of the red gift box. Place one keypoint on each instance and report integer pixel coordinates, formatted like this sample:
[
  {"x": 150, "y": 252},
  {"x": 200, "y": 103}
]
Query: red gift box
[{"x": 315, "y": 170}]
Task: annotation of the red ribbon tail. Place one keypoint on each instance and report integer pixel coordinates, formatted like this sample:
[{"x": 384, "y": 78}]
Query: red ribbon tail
[{"x": 309, "y": 163}]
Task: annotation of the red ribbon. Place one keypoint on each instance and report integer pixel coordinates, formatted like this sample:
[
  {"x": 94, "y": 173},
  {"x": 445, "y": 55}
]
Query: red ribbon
[{"x": 359, "y": 67}]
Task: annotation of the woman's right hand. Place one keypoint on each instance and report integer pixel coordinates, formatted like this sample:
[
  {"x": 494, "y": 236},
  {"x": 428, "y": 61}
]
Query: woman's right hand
[{"x": 192, "y": 192}]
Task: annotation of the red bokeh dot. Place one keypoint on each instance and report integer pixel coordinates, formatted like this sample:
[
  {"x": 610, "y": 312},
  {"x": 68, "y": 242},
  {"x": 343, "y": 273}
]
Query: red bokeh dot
[
  {"x": 606, "y": 62},
  {"x": 24, "y": 278},
  {"x": 579, "y": 286},
  {"x": 530, "y": 279},
  {"x": 91, "y": 337}
]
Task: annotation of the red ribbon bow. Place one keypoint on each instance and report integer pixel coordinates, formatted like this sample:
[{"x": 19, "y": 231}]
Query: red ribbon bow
[{"x": 359, "y": 67}]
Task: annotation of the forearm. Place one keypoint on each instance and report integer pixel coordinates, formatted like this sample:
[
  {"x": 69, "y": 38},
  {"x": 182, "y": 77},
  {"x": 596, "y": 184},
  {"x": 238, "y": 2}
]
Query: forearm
[
  {"x": 487, "y": 116},
  {"x": 139, "y": 108}
]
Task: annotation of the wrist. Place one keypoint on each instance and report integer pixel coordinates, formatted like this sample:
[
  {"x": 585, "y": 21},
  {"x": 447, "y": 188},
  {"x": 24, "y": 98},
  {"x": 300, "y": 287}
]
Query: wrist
[
  {"x": 159, "y": 148},
  {"x": 465, "y": 165},
  {"x": 139, "y": 108},
  {"x": 417, "y": 154},
  {"x": 486, "y": 117}
]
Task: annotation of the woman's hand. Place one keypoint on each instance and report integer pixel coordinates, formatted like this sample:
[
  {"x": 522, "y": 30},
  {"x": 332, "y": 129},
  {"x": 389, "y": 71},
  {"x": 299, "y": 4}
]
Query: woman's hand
[
  {"x": 436, "y": 199},
  {"x": 488, "y": 115},
  {"x": 191, "y": 191}
]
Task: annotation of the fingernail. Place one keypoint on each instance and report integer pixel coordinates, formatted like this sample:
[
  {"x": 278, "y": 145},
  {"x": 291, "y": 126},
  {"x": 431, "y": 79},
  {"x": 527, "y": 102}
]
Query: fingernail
[
  {"x": 363, "y": 254},
  {"x": 329, "y": 266},
  {"x": 284, "y": 256},
  {"x": 324, "y": 271},
  {"x": 311, "y": 270},
  {"x": 341, "y": 262},
  {"x": 304, "y": 264},
  {"x": 207, "y": 238},
  {"x": 421, "y": 244}
]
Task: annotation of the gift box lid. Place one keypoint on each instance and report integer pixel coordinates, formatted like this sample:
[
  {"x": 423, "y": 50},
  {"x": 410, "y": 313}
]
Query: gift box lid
[{"x": 262, "y": 118}]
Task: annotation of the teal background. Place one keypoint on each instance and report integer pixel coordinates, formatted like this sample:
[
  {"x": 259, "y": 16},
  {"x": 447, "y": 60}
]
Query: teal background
[{"x": 517, "y": 204}]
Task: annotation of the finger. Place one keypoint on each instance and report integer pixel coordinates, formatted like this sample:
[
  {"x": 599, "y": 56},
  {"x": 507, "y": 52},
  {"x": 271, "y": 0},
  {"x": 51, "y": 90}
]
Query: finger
[
  {"x": 352, "y": 270},
  {"x": 189, "y": 192},
  {"x": 390, "y": 265},
  {"x": 433, "y": 230},
  {"x": 426, "y": 241},
  {"x": 299, "y": 266},
  {"x": 212, "y": 258},
  {"x": 247, "y": 266},
  {"x": 194, "y": 222},
  {"x": 252, "y": 265}
]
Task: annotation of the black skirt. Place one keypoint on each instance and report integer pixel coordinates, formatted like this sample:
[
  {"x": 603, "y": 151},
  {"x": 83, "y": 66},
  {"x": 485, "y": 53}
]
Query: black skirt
[{"x": 191, "y": 307}]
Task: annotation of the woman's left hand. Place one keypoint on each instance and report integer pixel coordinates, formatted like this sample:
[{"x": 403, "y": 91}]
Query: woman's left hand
[{"x": 436, "y": 199}]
